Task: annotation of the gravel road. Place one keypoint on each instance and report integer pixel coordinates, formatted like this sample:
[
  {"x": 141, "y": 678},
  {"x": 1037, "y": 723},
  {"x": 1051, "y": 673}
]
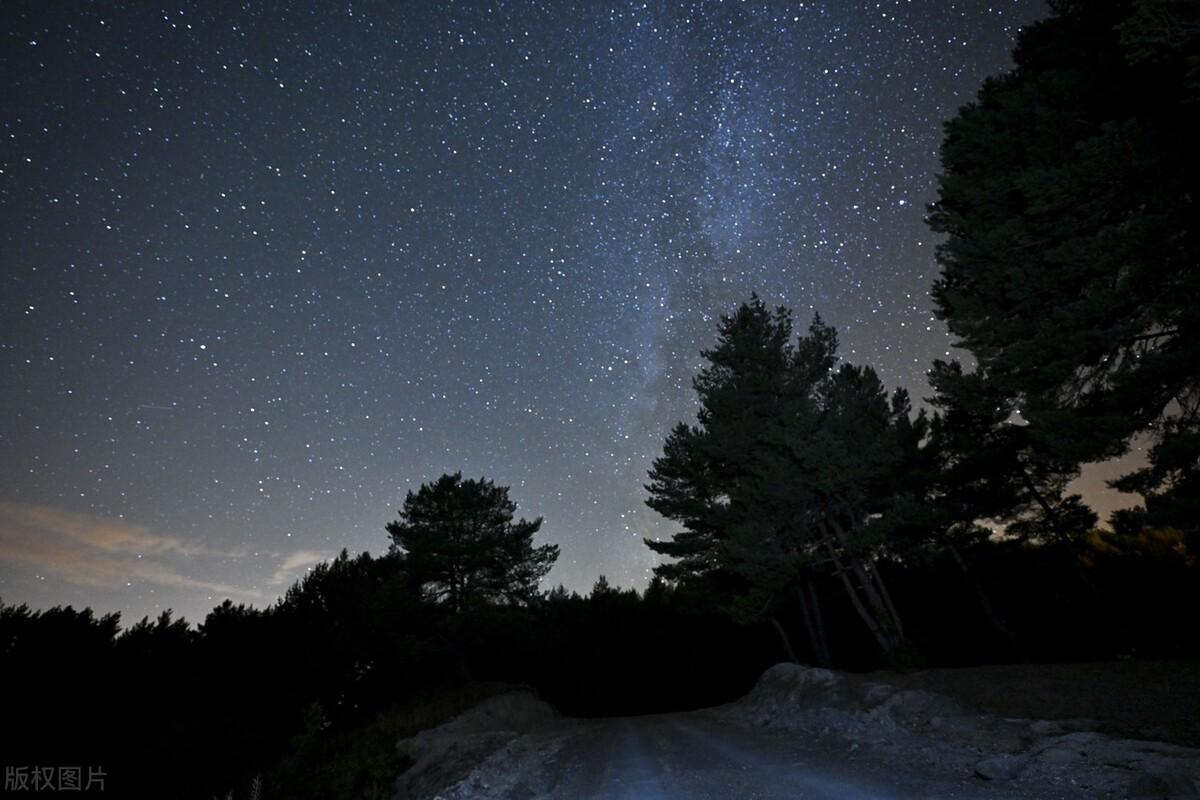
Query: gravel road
[{"x": 698, "y": 757}]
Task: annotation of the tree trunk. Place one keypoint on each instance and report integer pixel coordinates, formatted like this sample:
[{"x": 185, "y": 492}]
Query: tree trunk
[
  {"x": 814, "y": 623},
  {"x": 877, "y": 576},
  {"x": 457, "y": 629},
  {"x": 872, "y": 569},
  {"x": 784, "y": 639},
  {"x": 884, "y": 638},
  {"x": 819, "y": 616},
  {"x": 985, "y": 602},
  {"x": 885, "y": 612}
]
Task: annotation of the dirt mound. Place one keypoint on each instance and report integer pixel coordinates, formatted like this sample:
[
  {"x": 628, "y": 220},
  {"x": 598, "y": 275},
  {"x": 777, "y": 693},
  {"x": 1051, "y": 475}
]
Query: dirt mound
[
  {"x": 923, "y": 727},
  {"x": 805, "y": 698},
  {"x": 445, "y": 755},
  {"x": 1142, "y": 699}
]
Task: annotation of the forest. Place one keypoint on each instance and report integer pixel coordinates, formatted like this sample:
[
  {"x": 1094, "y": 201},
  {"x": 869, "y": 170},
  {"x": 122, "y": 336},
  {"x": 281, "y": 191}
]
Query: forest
[{"x": 822, "y": 517}]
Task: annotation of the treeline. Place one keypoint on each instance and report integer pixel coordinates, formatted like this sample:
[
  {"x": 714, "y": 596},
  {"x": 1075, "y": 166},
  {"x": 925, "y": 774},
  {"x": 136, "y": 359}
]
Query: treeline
[{"x": 312, "y": 693}]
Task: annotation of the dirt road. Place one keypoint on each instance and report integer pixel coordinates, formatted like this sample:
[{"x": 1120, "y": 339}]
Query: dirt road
[{"x": 680, "y": 756}]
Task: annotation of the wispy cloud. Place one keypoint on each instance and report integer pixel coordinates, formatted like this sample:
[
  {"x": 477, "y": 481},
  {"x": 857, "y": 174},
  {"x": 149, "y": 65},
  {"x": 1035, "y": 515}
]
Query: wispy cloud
[
  {"x": 291, "y": 566},
  {"x": 104, "y": 553},
  {"x": 114, "y": 536}
]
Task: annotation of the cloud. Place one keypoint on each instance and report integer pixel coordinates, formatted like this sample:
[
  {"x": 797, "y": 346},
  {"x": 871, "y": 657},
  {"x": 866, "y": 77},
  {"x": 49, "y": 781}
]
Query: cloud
[
  {"x": 113, "y": 536},
  {"x": 291, "y": 565},
  {"x": 102, "y": 553}
]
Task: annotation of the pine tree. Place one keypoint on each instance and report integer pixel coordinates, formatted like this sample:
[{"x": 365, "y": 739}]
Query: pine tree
[
  {"x": 783, "y": 477},
  {"x": 1070, "y": 265},
  {"x": 461, "y": 544}
]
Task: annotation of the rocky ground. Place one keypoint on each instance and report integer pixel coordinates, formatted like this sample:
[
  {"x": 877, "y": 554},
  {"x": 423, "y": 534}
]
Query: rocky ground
[
  {"x": 812, "y": 733},
  {"x": 510, "y": 729},
  {"x": 919, "y": 728},
  {"x": 1157, "y": 699}
]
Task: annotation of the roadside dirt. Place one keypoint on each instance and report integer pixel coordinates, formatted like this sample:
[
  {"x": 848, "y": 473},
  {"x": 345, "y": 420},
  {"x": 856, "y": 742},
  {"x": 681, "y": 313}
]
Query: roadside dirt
[
  {"x": 1137, "y": 699},
  {"x": 1052, "y": 732}
]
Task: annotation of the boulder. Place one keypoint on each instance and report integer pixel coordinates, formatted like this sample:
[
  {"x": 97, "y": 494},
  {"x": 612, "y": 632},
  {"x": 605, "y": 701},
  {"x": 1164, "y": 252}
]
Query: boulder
[{"x": 1002, "y": 767}]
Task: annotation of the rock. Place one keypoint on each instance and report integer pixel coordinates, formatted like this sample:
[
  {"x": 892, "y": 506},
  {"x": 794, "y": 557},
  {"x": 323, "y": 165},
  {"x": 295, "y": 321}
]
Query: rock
[
  {"x": 840, "y": 705},
  {"x": 919, "y": 706},
  {"x": 1059, "y": 755},
  {"x": 443, "y": 755},
  {"x": 876, "y": 693},
  {"x": 963, "y": 725},
  {"x": 1045, "y": 727},
  {"x": 1069, "y": 748},
  {"x": 1163, "y": 785},
  {"x": 919, "y": 726},
  {"x": 1002, "y": 767}
]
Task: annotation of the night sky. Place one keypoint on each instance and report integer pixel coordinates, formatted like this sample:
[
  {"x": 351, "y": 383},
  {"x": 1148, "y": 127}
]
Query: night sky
[{"x": 266, "y": 267}]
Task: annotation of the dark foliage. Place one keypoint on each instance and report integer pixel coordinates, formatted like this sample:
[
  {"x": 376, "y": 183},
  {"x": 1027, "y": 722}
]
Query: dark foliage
[
  {"x": 462, "y": 547},
  {"x": 312, "y": 693},
  {"x": 1071, "y": 264},
  {"x": 795, "y": 469}
]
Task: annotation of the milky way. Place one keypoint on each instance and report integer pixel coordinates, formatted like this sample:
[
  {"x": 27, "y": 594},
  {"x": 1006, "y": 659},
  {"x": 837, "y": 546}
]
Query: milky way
[{"x": 264, "y": 270}]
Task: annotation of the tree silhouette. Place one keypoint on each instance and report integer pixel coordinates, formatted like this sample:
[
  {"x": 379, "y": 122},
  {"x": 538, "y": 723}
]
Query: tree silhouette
[
  {"x": 1070, "y": 268},
  {"x": 790, "y": 472},
  {"x": 460, "y": 543},
  {"x": 734, "y": 541}
]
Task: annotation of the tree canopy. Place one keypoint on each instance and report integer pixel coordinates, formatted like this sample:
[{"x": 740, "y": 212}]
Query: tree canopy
[
  {"x": 793, "y": 468},
  {"x": 1069, "y": 268},
  {"x": 461, "y": 544}
]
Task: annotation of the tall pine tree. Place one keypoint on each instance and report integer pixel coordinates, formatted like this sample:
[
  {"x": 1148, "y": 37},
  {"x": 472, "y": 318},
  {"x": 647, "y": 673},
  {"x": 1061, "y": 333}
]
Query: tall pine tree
[
  {"x": 786, "y": 475},
  {"x": 1070, "y": 265}
]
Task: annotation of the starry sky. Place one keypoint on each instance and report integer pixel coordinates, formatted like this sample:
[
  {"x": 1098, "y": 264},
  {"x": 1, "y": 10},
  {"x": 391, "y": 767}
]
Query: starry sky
[{"x": 266, "y": 267}]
